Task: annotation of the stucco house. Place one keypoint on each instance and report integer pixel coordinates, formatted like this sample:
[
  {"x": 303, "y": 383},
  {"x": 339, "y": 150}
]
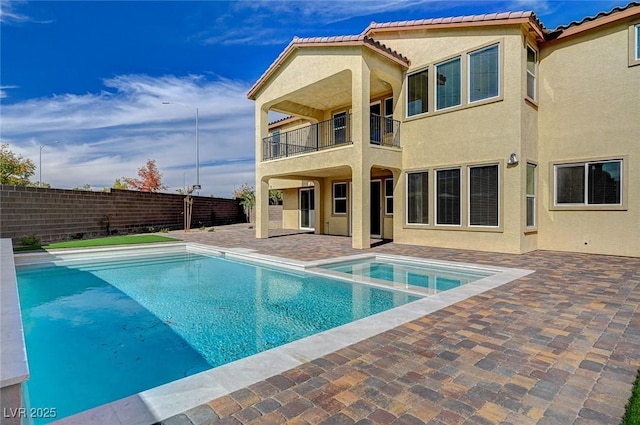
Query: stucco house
[{"x": 486, "y": 132}]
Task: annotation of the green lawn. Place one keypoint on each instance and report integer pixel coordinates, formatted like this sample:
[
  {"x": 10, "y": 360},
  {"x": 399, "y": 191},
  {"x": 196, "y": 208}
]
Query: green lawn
[
  {"x": 112, "y": 240},
  {"x": 632, "y": 415}
]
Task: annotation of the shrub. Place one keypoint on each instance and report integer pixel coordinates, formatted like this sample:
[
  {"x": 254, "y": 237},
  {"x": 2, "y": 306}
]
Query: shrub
[
  {"x": 164, "y": 230},
  {"x": 30, "y": 240}
]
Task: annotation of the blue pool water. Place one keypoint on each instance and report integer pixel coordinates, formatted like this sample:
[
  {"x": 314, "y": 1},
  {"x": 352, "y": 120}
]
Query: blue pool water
[
  {"x": 103, "y": 331},
  {"x": 435, "y": 278}
]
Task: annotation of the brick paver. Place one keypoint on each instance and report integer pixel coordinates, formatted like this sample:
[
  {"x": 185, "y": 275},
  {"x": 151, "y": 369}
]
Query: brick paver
[{"x": 559, "y": 346}]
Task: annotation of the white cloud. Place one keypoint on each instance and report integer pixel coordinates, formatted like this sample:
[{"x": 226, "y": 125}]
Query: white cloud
[
  {"x": 111, "y": 134},
  {"x": 9, "y": 14},
  {"x": 3, "y": 91}
]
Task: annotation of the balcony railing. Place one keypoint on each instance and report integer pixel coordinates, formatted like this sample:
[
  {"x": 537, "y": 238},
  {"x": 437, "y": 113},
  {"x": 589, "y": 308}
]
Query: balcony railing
[
  {"x": 384, "y": 131},
  {"x": 327, "y": 134}
]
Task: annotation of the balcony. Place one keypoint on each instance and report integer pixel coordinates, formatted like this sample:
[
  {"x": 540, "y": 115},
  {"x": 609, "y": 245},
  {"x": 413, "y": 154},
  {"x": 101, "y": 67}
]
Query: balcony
[{"x": 328, "y": 134}]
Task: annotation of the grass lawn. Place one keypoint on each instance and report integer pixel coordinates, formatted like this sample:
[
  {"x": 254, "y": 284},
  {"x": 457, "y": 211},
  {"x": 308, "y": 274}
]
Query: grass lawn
[
  {"x": 632, "y": 415},
  {"x": 112, "y": 240}
]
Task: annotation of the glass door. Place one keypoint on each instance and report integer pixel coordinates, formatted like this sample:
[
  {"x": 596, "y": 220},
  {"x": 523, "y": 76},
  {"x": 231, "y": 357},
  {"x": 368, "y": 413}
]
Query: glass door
[
  {"x": 376, "y": 209},
  {"x": 307, "y": 209}
]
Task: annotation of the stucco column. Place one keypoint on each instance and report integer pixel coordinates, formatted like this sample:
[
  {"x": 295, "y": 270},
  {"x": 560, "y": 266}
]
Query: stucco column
[
  {"x": 262, "y": 183},
  {"x": 319, "y": 208},
  {"x": 262, "y": 208},
  {"x": 360, "y": 93}
]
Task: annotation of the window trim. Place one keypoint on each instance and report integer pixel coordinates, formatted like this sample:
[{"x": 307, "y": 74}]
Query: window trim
[
  {"x": 624, "y": 179},
  {"x": 334, "y": 198},
  {"x": 406, "y": 198},
  {"x": 533, "y": 99},
  {"x": 387, "y": 196},
  {"x": 464, "y": 82},
  {"x": 462, "y": 197},
  {"x": 474, "y": 102},
  {"x": 429, "y": 90},
  {"x": 634, "y": 48},
  {"x": 533, "y": 196},
  {"x": 469, "y": 167},
  {"x": 460, "y": 88}
]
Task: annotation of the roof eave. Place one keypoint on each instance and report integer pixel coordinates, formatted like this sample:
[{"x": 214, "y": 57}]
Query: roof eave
[
  {"x": 296, "y": 44},
  {"x": 530, "y": 20},
  {"x": 598, "y": 22}
]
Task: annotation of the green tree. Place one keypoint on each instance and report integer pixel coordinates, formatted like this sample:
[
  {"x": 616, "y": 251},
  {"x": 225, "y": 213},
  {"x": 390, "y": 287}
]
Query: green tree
[
  {"x": 247, "y": 196},
  {"x": 119, "y": 185},
  {"x": 275, "y": 197},
  {"x": 15, "y": 169}
]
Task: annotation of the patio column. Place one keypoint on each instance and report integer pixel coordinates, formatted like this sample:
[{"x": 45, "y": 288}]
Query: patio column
[
  {"x": 360, "y": 92},
  {"x": 319, "y": 209},
  {"x": 262, "y": 182},
  {"x": 262, "y": 208}
]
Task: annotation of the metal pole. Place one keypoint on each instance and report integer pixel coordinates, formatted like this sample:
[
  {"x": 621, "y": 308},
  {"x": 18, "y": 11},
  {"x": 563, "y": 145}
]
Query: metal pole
[
  {"x": 197, "y": 141},
  {"x": 40, "y": 165},
  {"x": 197, "y": 154}
]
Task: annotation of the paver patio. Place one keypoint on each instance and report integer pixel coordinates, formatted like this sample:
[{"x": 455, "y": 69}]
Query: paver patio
[{"x": 559, "y": 346}]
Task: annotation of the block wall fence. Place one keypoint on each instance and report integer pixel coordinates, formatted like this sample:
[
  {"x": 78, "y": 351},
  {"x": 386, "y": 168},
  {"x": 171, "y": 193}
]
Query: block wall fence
[{"x": 59, "y": 214}]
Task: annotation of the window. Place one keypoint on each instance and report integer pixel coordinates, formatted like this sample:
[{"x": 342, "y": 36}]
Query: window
[
  {"x": 418, "y": 198},
  {"x": 417, "y": 93},
  {"x": 589, "y": 183},
  {"x": 448, "y": 84},
  {"x": 388, "y": 115},
  {"x": 483, "y": 195},
  {"x": 340, "y": 128},
  {"x": 637, "y": 29},
  {"x": 531, "y": 195},
  {"x": 339, "y": 198},
  {"x": 275, "y": 144},
  {"x": 388, "y": 196},
  {"x": 483, "y": 74},
  {"x": 448, "y": 197},
  {"x": 532, "y": 63}
]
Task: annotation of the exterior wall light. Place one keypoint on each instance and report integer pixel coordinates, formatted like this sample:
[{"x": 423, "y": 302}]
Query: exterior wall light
[{"x": 513, "y": 159}]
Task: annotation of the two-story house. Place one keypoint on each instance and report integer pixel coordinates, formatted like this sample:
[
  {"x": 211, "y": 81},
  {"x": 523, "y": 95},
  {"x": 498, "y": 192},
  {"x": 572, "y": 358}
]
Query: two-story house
[{"x": 484, "y": 132}]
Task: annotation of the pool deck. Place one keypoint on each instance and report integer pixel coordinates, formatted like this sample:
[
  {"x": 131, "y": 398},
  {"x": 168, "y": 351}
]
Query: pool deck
[{"x": 559, "y": 346}]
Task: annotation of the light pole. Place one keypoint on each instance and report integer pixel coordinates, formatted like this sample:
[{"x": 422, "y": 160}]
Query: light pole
[
  {"x": 40, "y": 166},
  {"x": 197, "y": 185}
]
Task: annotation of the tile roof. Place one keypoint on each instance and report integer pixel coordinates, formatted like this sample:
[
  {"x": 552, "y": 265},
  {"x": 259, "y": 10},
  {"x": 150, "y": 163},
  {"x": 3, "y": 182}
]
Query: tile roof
[
  {"x": 497, "y": 18},
  {"x": 342, "y": 40},
  {"x": 598, "y": 16}
]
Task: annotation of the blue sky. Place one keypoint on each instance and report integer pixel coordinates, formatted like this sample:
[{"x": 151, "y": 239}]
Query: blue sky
[{"x": 93, "y": 76}]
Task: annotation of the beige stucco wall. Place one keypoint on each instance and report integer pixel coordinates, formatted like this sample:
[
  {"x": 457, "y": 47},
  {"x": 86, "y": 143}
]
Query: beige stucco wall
[
  {"x": 585, "y": 110},
  {"x": 472, "y": 135},
  {"x": 589, "y": 110},
  {"x": 290, "y": 212}
]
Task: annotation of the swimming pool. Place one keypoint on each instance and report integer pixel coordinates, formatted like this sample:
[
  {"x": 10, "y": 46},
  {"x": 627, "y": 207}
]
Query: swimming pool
[
  {"x": 432, "y": 277},
  {"x": 161, "y": 402},
  {"x": 100, "y": 331}
]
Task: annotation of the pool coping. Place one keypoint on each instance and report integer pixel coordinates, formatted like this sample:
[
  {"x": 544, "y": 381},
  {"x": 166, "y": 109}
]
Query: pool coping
[{"x": 167, "y": 400}]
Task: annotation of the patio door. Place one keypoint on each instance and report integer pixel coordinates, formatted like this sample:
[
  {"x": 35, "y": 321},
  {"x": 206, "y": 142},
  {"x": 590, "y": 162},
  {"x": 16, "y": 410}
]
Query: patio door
[
  {"x": 376, "y": 209},
  {"x": 307, "y": 209},
  {"x": 375, "y": 123}
]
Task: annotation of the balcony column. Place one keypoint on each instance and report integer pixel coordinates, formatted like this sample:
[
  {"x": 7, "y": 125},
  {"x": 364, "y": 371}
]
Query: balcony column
[
  {"x": 361, "y": 169},
  {"x": 319, "y": 208},
  {"x": 262, "y": 182}
]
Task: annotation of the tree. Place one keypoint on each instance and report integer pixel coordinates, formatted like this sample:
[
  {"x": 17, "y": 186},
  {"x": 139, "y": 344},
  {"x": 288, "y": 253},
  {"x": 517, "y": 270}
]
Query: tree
[
  {"x": 150, "y": 178},
  {"x": 15, "y": 169},
  {"x": 247, "y": 197},
  {"x": 119, "y": 185},
  {"x": 275, "y": 197}
]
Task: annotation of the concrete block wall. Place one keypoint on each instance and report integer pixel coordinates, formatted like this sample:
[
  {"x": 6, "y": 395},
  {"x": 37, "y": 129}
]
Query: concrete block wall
[{"x": 60, "y": 214}]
